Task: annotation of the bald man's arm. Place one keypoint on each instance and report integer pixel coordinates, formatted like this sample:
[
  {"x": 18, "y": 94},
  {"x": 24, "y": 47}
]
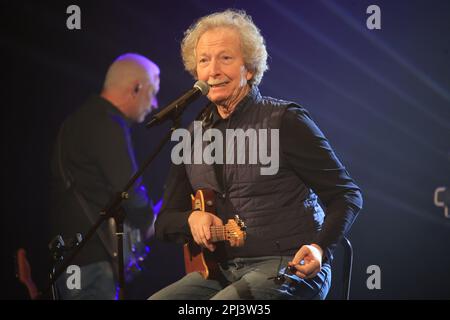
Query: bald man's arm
[{"x": 116, "y": 160}]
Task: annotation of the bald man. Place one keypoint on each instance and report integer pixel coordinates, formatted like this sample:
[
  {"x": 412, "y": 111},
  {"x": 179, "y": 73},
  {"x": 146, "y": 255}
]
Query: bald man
[{"x": 93, "y": 159}]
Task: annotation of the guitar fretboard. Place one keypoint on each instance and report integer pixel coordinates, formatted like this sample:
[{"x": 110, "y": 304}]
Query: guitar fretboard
[{"x": 218, "y": 233}]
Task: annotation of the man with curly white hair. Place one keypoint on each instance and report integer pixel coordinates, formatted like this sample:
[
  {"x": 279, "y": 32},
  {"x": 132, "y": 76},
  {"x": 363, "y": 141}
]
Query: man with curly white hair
[{"x": 289, "y": 238}]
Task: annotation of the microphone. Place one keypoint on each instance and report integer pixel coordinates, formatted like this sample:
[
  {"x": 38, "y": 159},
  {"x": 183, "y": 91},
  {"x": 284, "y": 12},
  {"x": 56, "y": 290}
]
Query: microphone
[{"x": 200, "y": 88}]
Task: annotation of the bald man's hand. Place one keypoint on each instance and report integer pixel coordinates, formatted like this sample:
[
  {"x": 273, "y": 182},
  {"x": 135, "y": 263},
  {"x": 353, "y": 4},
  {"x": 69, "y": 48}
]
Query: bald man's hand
[{"x": 200, "y": 223}]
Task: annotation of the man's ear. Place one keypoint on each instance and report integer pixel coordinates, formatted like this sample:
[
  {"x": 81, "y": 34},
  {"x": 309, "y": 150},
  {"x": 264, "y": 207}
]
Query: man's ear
[
  {"x": 249, "y": 75},
  {"x": 137, "y": 87}
]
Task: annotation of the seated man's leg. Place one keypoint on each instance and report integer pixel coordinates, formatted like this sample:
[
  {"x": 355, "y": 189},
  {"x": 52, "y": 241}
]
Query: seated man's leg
[
  {"x": 258, "y": 282},
  {"x": 191, "y": 287}
]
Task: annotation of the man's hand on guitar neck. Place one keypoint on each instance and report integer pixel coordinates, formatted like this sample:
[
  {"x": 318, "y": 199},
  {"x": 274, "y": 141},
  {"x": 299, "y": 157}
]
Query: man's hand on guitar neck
[{"x": 200, "y": 223}]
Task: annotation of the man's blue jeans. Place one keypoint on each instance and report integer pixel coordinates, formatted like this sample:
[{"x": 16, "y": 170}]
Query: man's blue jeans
[
  {"x": 97, "y": 283},
  {"x": 249, "y": 278}
]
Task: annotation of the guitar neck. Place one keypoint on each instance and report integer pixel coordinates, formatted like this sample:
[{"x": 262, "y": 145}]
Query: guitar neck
[{"x": 218, "y": 233}]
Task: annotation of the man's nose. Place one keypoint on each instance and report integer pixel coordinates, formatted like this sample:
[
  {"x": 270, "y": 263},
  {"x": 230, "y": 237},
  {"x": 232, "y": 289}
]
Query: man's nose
[{"x": 214, "y": 70}]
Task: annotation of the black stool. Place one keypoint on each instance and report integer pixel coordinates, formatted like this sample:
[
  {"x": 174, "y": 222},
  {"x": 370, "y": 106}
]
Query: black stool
[{"x": 347, "y": 267}]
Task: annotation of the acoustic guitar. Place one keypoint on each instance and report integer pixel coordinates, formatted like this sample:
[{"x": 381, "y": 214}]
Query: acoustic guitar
[{"x": 198, "y": 259}]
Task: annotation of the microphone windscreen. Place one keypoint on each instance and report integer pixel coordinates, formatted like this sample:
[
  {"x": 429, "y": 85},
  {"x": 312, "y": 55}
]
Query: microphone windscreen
[{"x": 202, "y": 86}]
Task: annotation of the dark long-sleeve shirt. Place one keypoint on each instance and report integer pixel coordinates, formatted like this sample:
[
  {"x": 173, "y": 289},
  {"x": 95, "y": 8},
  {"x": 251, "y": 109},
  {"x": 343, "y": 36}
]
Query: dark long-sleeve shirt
[
  {"x": 310, "y": 157},
  {"x": 96, "y": 149}
]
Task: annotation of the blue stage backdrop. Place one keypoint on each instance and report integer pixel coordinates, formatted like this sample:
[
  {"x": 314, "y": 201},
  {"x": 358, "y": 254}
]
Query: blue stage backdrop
[{"x": 381, "y": 96}]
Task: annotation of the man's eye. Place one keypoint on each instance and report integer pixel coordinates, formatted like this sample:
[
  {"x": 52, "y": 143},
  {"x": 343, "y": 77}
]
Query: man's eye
[{"x": 203, "y": 60}]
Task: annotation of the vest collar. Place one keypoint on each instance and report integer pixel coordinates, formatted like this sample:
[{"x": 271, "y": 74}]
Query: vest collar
[{"x": 252, "y": 97}]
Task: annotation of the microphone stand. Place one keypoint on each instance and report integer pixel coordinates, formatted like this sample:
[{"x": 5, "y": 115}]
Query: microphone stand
[{"x": 113, "y": 210}]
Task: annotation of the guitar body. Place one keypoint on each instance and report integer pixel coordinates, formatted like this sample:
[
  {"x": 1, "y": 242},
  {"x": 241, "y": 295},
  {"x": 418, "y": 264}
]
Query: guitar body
[
  {"x": 198, "y": 259},
  {"x": 23, "y": 273}
]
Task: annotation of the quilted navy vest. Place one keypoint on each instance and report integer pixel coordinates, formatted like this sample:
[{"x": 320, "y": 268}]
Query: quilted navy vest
[{"x": 281, "y": 213}]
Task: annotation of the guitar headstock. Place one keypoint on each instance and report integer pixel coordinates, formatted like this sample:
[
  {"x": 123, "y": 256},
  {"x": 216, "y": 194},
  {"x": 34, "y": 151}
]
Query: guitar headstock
[{"x": 235, "y": 232}]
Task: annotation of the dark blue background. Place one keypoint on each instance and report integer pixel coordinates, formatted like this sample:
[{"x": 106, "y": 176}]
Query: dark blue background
[{"x": 382, "y": 97}]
